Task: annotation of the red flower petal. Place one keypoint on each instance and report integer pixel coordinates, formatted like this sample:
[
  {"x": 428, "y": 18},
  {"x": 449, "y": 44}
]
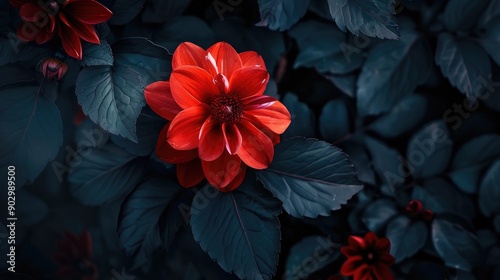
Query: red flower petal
[
  {"x": 188, "y": 54},
  {"x": 257, "y": 149},
  {"x": 222, "y": 59},
  {"x": 33, "y": 12},
  {"x": 383, "y": 272},
  {"x": 184, "y": 130},
  {"x": 382, "y": 244},
  {"x": 232, "y": 138},
  {"x": 259, "y": 102},
  {"x": 365, "y": 273},
  {"x": 211, "y": 143},
  {"x": 251, "y": 58},
  {"x": 190, "y": 173},
  {"x": 248, "y": 82},
  {"x": 45, "y": 34},
  {"x": 387, "y": 258},
  {"x": 88, "y": 12},
  {"x": 236, "y": 182},
  {"x": 356, "y": 242},
  {"x": 84, "y": 31},
  {"x": 70, "y": 41},
  {"x": 68, "y": 273},
  {"x": 160, "y": 99},
  {"x": 192, "y": 85},
  {"x": 85, "y": 244},
  {"x": 275, "y": 117},
  {"x": 27, "y": 31},
  {"x": 370, "y": 239},
  {"x": 349, "y": 251},
  {"x": 351, "y": 265},
  {"x": 19, "y": 3},
  {"x": 168, "y": 154},
  {"x": 222, "y": 171}
]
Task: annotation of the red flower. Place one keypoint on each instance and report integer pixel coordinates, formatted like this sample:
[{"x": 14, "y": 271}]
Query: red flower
[
  {"x": 74, "y": 257},
  {"x": 220, "y": 120},
  {"x": 70, "y": 19},
  {"x": 368, "y": 258},
  {"x": 53, "y": 68}
]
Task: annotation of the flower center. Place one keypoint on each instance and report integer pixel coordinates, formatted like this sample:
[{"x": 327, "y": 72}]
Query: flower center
[
  {"x": 226, "y": 108},
  {"x": 370, "y": 258},
  {"x": 51, "y": 7}
]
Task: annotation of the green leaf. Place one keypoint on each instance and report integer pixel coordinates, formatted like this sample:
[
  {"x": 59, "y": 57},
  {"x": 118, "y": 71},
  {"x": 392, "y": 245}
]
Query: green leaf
[
  {"x": 281, "y": 15},
  {"x": 112, "y": 98},
  {"x": 489, "y": 192},
  {"x": 319, "y": 250},
  {"x": 310, "y": 177},
  {"x": 97, "y": 54},
  {"x": 101, "y": 175},
  {"x": 393, "y": 70},
  {"x": 239, "y": 229},
  {"x": 407, "y": 237},
  {"x": 429, "y": 150},
  {"x": 371, "y": 17},
  {"x": 458, "y": 247},
  {"x": 464, "y": 63},
  {"x": 31, "y": 129}
]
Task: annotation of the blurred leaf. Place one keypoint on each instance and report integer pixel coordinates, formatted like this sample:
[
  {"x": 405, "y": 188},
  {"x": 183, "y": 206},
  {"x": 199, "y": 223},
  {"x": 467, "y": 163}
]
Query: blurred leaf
[
  {"x": 489, "y": 191},
  {"x": 101, "y": 175},
  {"x": 31, "y": 129},
  {"x": 159, "y": 11},
  {"x": 426, "y": 270},
  {"x": 471, "y": 158},
  {"x": 490, "y": 13},
  {"x": 148, "y": 129},
  {"x": 112, "y": 97},
  {"x": 388, "y": 163},
  {"x": 433, "y": 147},
  {"x": 407, "y": 237},
  {"x": 393, "y": 70},
  {"x": 97, "y": 54},
  {"x": 464, "y": 63},
  {"x": 310, "y": 177},
  {"x": 371, "y": 17},
  {"x": 303, "y": 120},
  {"x": 281, "y": 15},
  {"x": 458, "y": 247},
  {"x": 491, "y": 39},
  {"x": 334, "y": 120},
  {"x": 125, "y": 10},
  {"x": 239, "y": 229},
  {"x": 378, "y": 213},
  {"x": 439, "y": 196},
  {"x": 323, "y": 47},
  {"x": 139, "y": 221},
  {"x": 463, "y": 14},
  {"x": 30, "y": 209},
  {"x": 402, "y": 118},
  {"x": 312, "y": 249}
]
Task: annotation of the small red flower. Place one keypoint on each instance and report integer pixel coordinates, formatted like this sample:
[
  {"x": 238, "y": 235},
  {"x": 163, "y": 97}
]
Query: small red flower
[
  {"x": 414, "y": 207},
  {"x": 53, "y": 68},
  {"x": 220, "y": 120},
  {"x": 427, "y": 215},
  {"x": 72, "y": 20},
  {"x": 368, "y": 258},
  {"x": 74, "y": 256}
]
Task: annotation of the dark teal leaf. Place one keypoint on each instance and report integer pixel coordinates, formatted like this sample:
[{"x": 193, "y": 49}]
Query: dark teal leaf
[
  {"x": 378, "y": 213},
  {"x": 14, "y": 50},
  {"x": 407, "y": 237},
  {"x": 491, "y": 39},
  {"x": 281, "y": 15},
  {"x": 310, "y": 177},
  {"x": 148, "y": 129},
  {"x": 393, "y": 70},
  {"x": 112, "y": 98},
  {"x": 402, "y": 118},
  {"x": 346, "y": 83},
  {"x": 462, "y": 14},
  {"x": 371, "y": 17},
  {"x": 490, "y": 13},
  {"x": 358, "y": 155},
  {"x": 388, "y": 163},
  {"x": 101, "y": 175},
  {"x": 32, "y": 210},
  {"x": 159, "y": 11},
  {"x": 303, "y": 119},
  {"x": 334, "y": 120},
  {"x": 125, "y": 10},
  {"x": 31, "y": 129},
  {"x": 184, "y": 29},
  {"x": 6, "y": 50},
  {"x": 312, "y": 249},
  {"x": 429, "y": 150},
  {"x": 458, "y": 247},
  {"x": 440, "y": 196},
  {"x": 97, "y": 54},
  {"x": 489, "y": 192},
  {"x": 471, "y": 158},
  {"x": 139, "y": 220},
  {"x": 323, "y": 47},
  {"x": 464, "y": 63},
  {"x": 239, "y": 229}
]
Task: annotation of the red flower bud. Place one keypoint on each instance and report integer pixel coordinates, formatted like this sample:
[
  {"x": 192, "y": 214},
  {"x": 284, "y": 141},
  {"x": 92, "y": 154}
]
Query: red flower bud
[
  {"x": 53, "y": 68},
  {"x": 414, "y": 207},
  {"x": 427, "y": 215}
]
